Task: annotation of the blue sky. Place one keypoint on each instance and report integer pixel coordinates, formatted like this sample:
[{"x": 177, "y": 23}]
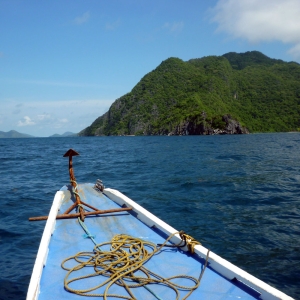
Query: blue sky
[{"x": 63, "y": 63}]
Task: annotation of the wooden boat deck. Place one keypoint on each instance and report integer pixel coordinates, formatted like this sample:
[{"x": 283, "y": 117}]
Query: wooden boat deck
[{"x": 68, "y": 239}]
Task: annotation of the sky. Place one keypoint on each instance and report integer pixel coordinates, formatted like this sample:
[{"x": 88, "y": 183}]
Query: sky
[{"x": 64, "y": 62}]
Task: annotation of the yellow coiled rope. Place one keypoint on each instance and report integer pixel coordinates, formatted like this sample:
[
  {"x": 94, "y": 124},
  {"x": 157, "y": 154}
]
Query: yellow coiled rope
[{"x": 119, "y": 265}]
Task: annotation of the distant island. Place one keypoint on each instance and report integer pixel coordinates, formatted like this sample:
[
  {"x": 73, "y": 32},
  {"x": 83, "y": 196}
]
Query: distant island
[
  {"x": 14, "y": 134},
  {"x": 234, "y": 93},
  {"x": 66, "y": 134}
]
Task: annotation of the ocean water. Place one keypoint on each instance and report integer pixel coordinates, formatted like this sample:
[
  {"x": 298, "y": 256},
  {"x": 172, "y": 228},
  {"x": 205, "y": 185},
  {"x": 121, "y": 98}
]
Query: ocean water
[{"x": 238, "y": 195}]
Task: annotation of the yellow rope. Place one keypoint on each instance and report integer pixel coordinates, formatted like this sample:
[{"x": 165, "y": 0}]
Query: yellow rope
[
  {"x": 126, "y": 255},
  {"x": 190, "y": 241}
]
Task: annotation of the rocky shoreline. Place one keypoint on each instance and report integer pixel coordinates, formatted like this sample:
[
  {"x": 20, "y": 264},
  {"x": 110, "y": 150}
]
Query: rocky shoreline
[{"x": 189, "y": 127}]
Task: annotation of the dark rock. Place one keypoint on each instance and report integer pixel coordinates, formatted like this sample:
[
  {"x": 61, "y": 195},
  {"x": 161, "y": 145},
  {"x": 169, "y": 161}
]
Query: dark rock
[
  {"x": 189, "y": 127},
  {"x": 233, "y": 126}
]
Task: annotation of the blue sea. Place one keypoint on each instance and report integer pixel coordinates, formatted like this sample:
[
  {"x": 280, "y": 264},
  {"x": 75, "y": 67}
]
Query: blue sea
[{"x": 239, "y": 195}]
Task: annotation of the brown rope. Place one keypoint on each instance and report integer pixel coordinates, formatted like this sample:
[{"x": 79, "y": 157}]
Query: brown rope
[
  {"x": 186, "y": 240},
  {"x": 126, "y": 255}
]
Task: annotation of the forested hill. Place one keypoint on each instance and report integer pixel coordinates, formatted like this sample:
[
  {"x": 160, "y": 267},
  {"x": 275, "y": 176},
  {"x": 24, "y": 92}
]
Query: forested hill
[{"x": 233, "y": 93}]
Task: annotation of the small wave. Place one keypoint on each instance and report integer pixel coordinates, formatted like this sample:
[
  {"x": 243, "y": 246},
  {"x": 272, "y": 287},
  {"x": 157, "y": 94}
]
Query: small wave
[
  {"x": 188, "y": 184},
  {"x": 8, "y": 234}
]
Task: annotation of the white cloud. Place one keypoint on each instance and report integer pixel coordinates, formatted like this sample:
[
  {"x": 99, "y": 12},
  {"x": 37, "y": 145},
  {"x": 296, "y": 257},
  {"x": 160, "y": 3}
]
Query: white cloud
[
  {"x": 48, "y": 117},
  {"x": 63, "y": 120},
  {"x": 175, "y": 27},
  {"x": 259, "y": 21},
  {"x": 82, "y": 19},
  {"x": 26, "y": 122},
  {"x": 43, "y": 117},
  {"x": 113, "y": 25}
]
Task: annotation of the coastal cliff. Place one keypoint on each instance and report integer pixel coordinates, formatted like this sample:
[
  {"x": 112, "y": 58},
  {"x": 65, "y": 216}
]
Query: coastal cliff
[{"x": 229, "y": 94}]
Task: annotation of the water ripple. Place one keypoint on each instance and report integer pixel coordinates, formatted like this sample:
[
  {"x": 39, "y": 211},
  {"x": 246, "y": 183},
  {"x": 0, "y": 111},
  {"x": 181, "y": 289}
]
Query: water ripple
[{"x": 238, "y": 195}]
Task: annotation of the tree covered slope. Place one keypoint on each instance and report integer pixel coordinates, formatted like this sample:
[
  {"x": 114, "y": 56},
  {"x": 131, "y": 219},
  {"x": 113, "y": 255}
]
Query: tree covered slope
[{"x": 233, "y": 93}]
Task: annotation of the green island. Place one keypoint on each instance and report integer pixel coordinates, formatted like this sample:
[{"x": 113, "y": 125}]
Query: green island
[{"x": 230, "y": 94}]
